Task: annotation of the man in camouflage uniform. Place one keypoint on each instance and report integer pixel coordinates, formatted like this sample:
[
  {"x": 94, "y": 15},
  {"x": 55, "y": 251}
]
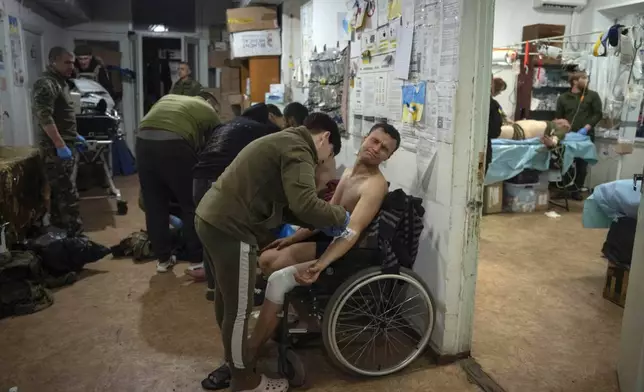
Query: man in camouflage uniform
[
  {"x": 54, "y": 111},
  {"x": 88, "y": 66},
  {"x": 186, "y": 85}
]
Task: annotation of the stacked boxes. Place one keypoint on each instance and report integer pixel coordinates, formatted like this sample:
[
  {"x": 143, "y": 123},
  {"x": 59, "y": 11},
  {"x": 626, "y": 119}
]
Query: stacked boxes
[{"x": 254, "y": 31}]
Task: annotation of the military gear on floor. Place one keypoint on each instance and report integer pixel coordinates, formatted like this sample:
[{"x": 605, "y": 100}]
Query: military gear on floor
[
  {"x": 187, "y": 86},
  {"x": 22, "y": 289},
  {"x": 61, "y": 254},
  {"x": 53, "y": 104},
  {"x": 136, "y": 245}
]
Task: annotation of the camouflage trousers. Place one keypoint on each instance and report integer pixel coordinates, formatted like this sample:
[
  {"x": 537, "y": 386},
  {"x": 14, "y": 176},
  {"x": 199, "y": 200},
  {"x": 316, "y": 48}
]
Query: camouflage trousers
[{"x": 63, "y": 206}]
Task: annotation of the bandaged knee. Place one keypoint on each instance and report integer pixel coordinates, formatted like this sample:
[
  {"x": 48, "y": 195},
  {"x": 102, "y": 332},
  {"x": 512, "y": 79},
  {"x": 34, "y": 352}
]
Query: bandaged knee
[{"x": 279, "y": 283}]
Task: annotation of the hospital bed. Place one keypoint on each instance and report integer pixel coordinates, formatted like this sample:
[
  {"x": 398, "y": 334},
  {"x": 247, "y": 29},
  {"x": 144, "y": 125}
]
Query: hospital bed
[
  {"x": 99, "y": 123},
  {"x": 511, "y": 157}
]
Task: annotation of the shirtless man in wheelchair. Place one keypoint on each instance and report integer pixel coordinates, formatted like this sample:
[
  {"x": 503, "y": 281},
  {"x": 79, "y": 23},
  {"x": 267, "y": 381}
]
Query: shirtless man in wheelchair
[
  {"x": 299, "y": 259},
  {"x": 293, "y": 261}
]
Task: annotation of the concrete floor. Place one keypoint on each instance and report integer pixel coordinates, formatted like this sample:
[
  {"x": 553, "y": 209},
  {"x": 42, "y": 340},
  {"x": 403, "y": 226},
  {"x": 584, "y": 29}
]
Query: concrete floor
[{"x": 541, "y": 322}]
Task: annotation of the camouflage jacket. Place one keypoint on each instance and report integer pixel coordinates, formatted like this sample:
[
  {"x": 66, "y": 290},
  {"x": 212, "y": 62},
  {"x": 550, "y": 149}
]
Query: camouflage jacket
[
  {"x": 187, "y": 86},
  {"x": 53, "y": 104}
]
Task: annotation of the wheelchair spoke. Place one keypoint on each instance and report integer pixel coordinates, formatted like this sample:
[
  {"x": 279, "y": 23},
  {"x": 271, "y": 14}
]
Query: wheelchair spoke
[{"x": 363, "y": 347}]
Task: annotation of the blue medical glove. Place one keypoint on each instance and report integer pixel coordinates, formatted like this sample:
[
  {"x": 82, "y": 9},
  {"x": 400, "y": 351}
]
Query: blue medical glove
[
  {"x": 583, "y": 131},
  {"x": 81, "y": 143},
  {"x": 336, "y": 231},
  {"x": 176, "y": 222},
  {"x": 64, "y": 153}
]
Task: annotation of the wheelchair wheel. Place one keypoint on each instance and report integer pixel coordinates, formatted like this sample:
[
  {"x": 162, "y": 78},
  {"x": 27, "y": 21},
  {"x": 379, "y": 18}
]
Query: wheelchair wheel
[
  {"x": 377, "y": 323},
  {"x": 291, "y": 367}
]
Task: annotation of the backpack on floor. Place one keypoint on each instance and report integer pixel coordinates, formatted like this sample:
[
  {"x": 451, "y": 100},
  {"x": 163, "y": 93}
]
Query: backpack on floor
[
  {"x": 136, "y": 245},
  {"x": 618, "y": 247},
  {"x": 22, "y": 289}
]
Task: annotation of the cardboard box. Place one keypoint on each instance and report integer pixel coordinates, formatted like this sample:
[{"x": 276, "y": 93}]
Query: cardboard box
[
  {"x": 230, "y": 82},
  {"x": 493, "y": 198},
  {"x": 251, "y": 19},
  {"x": 616, "y": 283},
  {"x": 543, "y": 200},
  {"x": 255, "y": 44},
  {"x": 221, "y": 58},
  {"x": 230, "y": 105},
  {"x": 109, "y": 57}
]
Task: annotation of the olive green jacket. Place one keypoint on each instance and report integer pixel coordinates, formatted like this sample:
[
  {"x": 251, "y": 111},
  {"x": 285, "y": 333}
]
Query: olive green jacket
[
  {"x": 271, "y": 182},
  {"x": 578, "y": 111},
  {"x": 53, "y": 104},
  {"x": 187, "y": 86}
]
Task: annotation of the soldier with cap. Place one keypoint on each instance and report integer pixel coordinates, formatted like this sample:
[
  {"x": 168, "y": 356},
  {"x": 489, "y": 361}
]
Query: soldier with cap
[
  {"x": 88, "y": 66},
  {"x": 54, "y": 111}
]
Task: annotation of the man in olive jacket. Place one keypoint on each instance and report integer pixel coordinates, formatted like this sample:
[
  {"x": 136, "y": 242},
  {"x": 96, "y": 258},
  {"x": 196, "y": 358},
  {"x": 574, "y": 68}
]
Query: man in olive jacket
[
  {"x": 271, "y": 182},
  {"x": 185, "y": 85},
  {"x": 583, "y": 110}
]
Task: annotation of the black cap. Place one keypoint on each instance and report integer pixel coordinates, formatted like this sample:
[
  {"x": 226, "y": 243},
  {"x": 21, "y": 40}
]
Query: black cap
[{"x": 83, "y": 50}]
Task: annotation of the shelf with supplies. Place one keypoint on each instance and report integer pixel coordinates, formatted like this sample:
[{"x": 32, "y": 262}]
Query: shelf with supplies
[{"x": 544, "y": 79}]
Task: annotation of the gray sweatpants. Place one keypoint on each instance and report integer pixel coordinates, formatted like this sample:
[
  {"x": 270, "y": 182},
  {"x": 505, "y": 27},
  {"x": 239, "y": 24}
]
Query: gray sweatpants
[{"x": 234, "y": 264}]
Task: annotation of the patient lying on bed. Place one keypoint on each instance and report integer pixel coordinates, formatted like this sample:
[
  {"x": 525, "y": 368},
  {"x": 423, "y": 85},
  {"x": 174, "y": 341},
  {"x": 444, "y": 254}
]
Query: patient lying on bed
[{"x": 549, "y": 132}]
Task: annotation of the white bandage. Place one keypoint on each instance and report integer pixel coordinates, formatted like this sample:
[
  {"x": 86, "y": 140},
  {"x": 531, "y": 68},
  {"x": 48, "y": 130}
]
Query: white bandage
[
  {"x": 279, "y": 283},
  {"x": 347, "y": 234}
]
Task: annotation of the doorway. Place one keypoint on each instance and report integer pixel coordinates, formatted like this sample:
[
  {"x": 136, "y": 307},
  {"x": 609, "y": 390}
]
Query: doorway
[
  {"x": 35, "y": 66},
  {"x": 161, "y": 58},
  {"x": 191, "y": 55},
  {"x": 6, "y": 130},
  {"x": 109, "y": 54}
]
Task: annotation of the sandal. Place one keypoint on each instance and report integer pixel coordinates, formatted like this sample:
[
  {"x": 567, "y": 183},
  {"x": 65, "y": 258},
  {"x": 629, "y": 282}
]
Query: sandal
[
  {"x": 217, "y": 379},
  {"x": 271, "y": 385}
]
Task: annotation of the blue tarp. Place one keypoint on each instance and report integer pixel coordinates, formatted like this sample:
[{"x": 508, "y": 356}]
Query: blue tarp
[
  {"x": 610, "y": 201},
  {"x": 511, "y": 157}
]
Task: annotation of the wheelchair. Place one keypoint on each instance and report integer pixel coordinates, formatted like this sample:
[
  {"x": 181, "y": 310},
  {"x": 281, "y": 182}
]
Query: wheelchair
[{"x": 367, "y": 313}]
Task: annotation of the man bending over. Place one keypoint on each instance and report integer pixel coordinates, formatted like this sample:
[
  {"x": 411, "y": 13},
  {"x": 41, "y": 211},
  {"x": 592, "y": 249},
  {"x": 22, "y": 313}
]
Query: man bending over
[
  {"x": 361, "y": 190},
  {"x": 292, "y": 262}
]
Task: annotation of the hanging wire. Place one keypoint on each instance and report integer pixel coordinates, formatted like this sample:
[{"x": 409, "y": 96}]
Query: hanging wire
[{"x": 559, "y": 37}]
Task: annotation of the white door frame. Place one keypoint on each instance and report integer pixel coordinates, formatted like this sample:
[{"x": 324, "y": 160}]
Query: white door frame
[
  {"x": 140, "y": 34},
  {"x": 35, "y": 30},
  {"x": 185, "y": 41}
]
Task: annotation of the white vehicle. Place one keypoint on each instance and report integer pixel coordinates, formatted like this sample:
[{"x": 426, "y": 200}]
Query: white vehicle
[{"x": 91, "y": 94}]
